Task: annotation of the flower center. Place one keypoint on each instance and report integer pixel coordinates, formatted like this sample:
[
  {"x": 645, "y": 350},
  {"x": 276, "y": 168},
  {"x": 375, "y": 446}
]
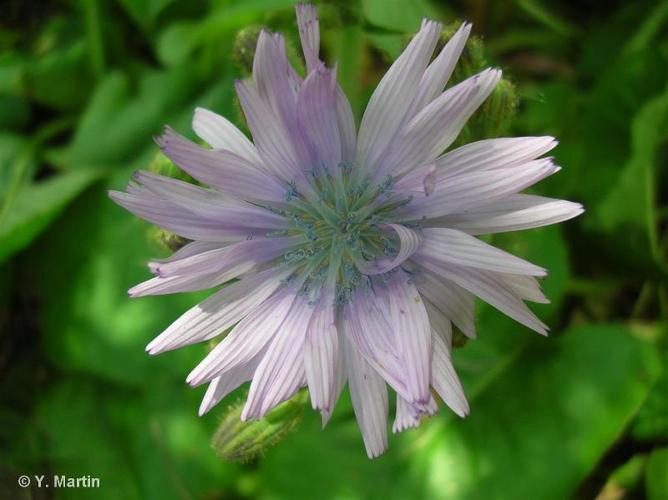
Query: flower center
[{"x": 338, "y": 214}]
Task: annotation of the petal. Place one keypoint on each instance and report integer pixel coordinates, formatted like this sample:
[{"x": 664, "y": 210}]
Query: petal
[
  {"x": 346, "y": 123},
  {"x": 455, "y": 303},
  {"x": 309, "y": 34},
  {"x": 444, "y": 378},
  {"x": 455, "y": 247},
  {"x": 412, "y": 331},
  {"x": 208, "y": 203},
  {"x": 438, "y": 321},
  {"x": 226, "y": 383},
  {"x": 492, "y": 290},
  {"x": 218, "y": 312},
  {"x": 525, "y": 287},
  {"x": 513, "y": 213},
  {"x": 247, "y": 339},
  {"x": 393, "y": 96},
  {"x": 408, "y": 416},
  {"x": 409, "y": 242},
  {"x": 373, "y": 337},
  {"x": 269, "y": 133},
  {"x": 220, "y": 133},
  {"x": 281, "y": 371},
  {"x": 175, "y": 284},
  {"x": 417, "y": 182},
  {"x": 178, "y": 220},
  {"x": 316, "y": 111},
  {"x": 278, "y": 85},
  {"x": 439, "y": 71},
  {"x": 368, "y": 393},
  {"x": 233, "y": 259},
  {"x": 434, "y": 128},
  {"x": 491, "y": 154},
  {"x": 188, "y": 250},
  {"x": 458, "y": 193},
  {"x": 321, "y": 352},
  {"x": 339, "y": 377},
  {"x": 225, "y": 170}
]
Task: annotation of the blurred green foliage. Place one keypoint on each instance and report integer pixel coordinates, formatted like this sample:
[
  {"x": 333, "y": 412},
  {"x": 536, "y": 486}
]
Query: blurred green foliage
[{"x": 85, "y": 84}]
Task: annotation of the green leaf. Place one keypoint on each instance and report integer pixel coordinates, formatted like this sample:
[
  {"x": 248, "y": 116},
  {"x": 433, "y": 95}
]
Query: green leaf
[
  {"x": 148, "y": 444},
  {"x": 91, "y": 325},
  {"x": 145, "y": 12},
  {"x": 637, "y": 179},
  {"x": 81, "y": 440},
  {"x": 652, "y": 420},
  {"x": 35, "y": 206},
  {"x": 120, "y": 120},
  {"x": 218, "y": 28},
  {"x": 551, "y": 411},
  {"x": 398, "y": 15},
  {"x": 656, "y": 478}
]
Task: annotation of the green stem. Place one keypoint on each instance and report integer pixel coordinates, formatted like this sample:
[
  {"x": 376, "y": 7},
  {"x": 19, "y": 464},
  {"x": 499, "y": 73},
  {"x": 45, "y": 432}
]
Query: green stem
[{"x": 93, "y": 31}]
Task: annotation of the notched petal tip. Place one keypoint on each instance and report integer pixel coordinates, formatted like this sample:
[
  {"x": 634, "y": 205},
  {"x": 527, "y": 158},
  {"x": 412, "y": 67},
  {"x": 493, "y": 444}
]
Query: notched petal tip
[{"x": 375, "y": 453}]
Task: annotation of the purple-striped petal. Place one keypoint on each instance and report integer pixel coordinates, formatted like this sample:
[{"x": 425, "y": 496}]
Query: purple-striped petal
[
  {"x": 444, "y": 378},
  {"x": 220, "y": 133},
  {"x": 309, "y": 34},
  {"x": 368, "y": 393},
  {"x": 450, "y": 246},
  {"x": 492, "y": 290},
  {"x": 226, "y": 383},
  {"x": 410, "y": 322},
  {"x": 451, "y": 300},
  {"x": 219, "y": 312},
  {"x": 409, "y": 242},
  {"x": 460, "y": 193},
  {"x": 316, "y": 111},
  {"x": 440, "y": 69},
  {"x": 247, "y": 339},
  {"x": 281, "y": 372},
  {"x": 492, "y": 154},
  {"x": 513, "y": 213},
  {"x": 408, "y": 416},
  {"x": 321, "y": 352},
  {"x": 390, "y": 102},
  {"x": 225, "y": 170},
  {"x": 438, "y": 124}
]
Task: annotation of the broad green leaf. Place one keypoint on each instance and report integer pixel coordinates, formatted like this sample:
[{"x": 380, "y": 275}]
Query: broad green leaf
[
  {"x": 218, "y": 28},
  {"x": 120, "y": 120},
  {"x": 145, "y": 12},
  {"x": 14, "y": 112},
  {"x": 649, "y": 131},
  {"x": 551, "y": 413},
  {"x": 91, "y": 325},
  {"x": 550, "y": 409},
  {"x": 12, "y": 147},
  {"x": 652, "y": 420},
  {"x": 403, "y": 16},
  {"x": 35, "y": 206},
  {"x": 148, "y": 444},
  {"x": 331, "y": 464},
  {"x": 80, "y": 439},
  {"x": 656, "y": 480}
]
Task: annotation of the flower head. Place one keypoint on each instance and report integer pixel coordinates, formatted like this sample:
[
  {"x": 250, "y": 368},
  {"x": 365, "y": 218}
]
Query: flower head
[{"x": 354, "y": 253}]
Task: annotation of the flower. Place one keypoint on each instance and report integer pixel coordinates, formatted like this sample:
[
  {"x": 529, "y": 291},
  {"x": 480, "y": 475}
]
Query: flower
[{"x": 354, "y": 253}]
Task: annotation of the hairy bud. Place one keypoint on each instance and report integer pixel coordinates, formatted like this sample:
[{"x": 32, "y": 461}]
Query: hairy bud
[{"x": 239, "y": 441}]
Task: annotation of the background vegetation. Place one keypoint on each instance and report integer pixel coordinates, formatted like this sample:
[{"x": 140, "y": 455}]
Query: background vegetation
[{"x": 85, "y": 84}]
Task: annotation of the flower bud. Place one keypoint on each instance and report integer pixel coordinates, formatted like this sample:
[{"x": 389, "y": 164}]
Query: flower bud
[
  {"x": 243, "y": 50},
  {"x": 239, "y": 441}
]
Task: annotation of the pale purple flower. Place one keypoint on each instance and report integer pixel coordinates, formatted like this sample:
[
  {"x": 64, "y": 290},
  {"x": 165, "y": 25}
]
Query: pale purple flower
[{"x": 354, "y": 252}]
